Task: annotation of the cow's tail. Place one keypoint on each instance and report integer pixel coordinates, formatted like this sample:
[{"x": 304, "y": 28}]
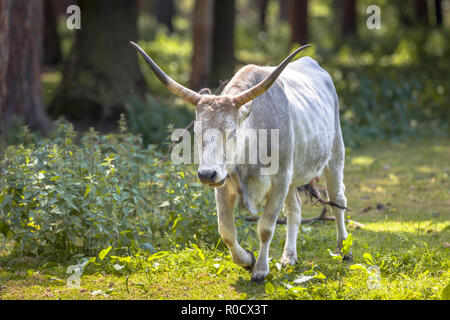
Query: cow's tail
[{"x": 313, "y": 193}]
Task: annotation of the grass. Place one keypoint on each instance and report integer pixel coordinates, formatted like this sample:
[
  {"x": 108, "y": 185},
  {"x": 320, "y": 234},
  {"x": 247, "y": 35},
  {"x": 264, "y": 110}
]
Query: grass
[{"x": 398, "y": 191}]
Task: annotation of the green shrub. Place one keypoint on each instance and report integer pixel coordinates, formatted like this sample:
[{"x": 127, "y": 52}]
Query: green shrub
[
  {"x": 172, "y": 53},
  {"x": 390, "y": 104},
  {"x": 59, "y": 198},
  {"x": 150, "y": 118}
]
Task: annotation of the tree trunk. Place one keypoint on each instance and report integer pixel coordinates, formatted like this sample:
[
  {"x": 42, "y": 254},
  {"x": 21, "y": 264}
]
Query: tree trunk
[
  {"x": 165, "y": 11},
  {"x": 22, "y": 88},
  {"x": 283, "y": 11},
  {"x": 102, "y": 70},
  {"x": 438, "y": 12},
  {"x": 62, "y": 5},
  {"x": 203, "y": 24},
  {"x": 421, "y": 10},
  {"x": 348, "y": 17},
  {"x": 262, "y": 10},
  {"x": 405, "y": 13},
  {"x": 298, "y": 18},
  {"x": 223, "y": 41},
  {"x": 5, "y": 7},
  {"x": 52, "y": 46}
]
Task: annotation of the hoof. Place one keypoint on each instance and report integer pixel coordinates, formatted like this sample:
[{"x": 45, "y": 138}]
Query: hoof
[
  {"x": 288, "y": 260},
  {"x": 259, "y": 276},
  {"x": 347, "y": 257},
  {"x": 250, "y": 267}
]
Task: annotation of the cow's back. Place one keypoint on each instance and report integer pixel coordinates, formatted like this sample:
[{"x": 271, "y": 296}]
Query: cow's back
[
  {"x": 314, "y": 108},
  {"x": 302, "y": 104}
]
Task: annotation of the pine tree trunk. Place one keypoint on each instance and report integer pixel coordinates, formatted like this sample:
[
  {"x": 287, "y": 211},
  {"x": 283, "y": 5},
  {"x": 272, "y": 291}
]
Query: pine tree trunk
[
  {"x": 102, "y": 71},
  {"x": 223, "y": 41},
  {"x": 262, "y": 8},
  {"x": 22, "y": 95},
  {"x": 5, "y": 7},
  {"x": 52, "y": 46},
  {"x": 348, "y": 17},
  {"x": 421, "y": 10},
  {"x": 298, "y": 17},
  {"x": 203, "y": 24},
  {"x": 283, "y": 13},
  {"x": 165, "y": 11},
  {"x": 438, "y": 12}
]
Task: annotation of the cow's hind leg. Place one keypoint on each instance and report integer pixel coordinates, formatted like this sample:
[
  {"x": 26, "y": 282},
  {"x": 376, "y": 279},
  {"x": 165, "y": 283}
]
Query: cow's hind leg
[
  {"x": 266, "y": 228},
  {"x": 292, "y": 207},
  {"x": 225, "y": 200},
  {"x": 334, "y": 175}
]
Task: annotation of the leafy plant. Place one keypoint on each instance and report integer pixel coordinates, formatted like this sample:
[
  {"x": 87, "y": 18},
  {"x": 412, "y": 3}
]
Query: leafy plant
[{"x": 59, "y": 198}]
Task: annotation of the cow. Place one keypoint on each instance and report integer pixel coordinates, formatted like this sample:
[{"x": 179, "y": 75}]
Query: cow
[{"x": 302, "y": 104}]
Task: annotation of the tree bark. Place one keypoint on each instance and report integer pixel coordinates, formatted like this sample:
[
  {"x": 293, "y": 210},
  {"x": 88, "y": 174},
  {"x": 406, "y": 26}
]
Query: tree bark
[
  {"x": 223, "y": 62},
  {"x": 348, "y": 18},
  {"x": 52, "y": 45},
  {"x": 102, "y": 70},
  {"x": 5, "y": 7},
  {"x": 262, "y": 10},
  {"x": 203, "y": 24},
  {"x": 438, "y": 12},
  {"x": 62, "y": 5},
  {"x": 283, "y": 10},
  {"x": 421, "y": 10},
  {"x": 298, "y": 18},
  {"x": 165, "y": 11},
  {"x": 22, "y": 88}
]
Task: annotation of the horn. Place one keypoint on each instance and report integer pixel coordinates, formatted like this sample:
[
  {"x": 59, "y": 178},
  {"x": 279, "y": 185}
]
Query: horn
[
  {"x": 176, "y": 88},
  {"x": 257, "y": 90}
]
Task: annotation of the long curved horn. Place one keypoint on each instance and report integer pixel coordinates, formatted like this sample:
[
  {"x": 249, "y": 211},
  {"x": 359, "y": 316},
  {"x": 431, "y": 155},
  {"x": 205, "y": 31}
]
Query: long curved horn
[
  {"x": 172, "y": 85},
  {"x": 257, "y": 90}
]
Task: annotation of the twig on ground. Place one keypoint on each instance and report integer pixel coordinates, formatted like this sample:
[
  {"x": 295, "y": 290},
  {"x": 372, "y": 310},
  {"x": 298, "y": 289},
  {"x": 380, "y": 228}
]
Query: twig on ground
[
  {"x": 314, "y": 192},
  {"x": 322, "y": 217}
]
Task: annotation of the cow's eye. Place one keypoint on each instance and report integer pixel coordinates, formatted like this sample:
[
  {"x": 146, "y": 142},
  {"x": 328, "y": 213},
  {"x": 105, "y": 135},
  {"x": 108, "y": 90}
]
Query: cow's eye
[{"x": 231, "y": 134}]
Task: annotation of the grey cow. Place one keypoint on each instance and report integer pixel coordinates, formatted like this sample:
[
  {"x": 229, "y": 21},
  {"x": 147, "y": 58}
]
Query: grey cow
[{"x": 303, "y": 105}]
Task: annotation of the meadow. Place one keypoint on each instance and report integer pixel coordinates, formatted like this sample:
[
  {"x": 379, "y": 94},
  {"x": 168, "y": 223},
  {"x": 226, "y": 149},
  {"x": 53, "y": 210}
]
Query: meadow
[{"x": 398, "y": 194}]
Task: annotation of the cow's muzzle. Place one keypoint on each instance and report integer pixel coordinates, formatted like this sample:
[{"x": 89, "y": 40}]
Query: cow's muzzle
[{"x": 210, "y": 178}]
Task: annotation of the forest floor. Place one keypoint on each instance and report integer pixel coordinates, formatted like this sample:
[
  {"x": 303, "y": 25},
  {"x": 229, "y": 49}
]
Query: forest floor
[{"x": 399, "y": 192}]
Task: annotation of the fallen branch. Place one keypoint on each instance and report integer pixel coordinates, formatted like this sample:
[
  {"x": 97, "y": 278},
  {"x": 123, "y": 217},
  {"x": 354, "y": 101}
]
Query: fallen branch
[{"x": 322, "y": 217}]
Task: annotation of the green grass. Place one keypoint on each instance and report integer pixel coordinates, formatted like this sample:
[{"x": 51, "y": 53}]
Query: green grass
[{"x": 399, "y": 192}]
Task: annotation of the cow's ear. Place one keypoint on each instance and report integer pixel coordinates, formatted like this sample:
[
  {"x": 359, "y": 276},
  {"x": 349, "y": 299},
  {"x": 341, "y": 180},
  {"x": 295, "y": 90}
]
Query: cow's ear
[
  {"x": 205, "y": 91},
  {"x": 244, "y": 112}
]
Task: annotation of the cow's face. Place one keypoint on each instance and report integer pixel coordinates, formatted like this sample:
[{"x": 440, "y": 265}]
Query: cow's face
[{"x": 215, "y": 127}]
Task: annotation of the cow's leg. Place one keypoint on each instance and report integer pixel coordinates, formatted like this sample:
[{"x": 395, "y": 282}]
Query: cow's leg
[
  {"x": 225, "y": 201},
  {"x": 292, "y": 207},
  {"x": 266, "y": 228},
  {"x": 334, "y": 175}
]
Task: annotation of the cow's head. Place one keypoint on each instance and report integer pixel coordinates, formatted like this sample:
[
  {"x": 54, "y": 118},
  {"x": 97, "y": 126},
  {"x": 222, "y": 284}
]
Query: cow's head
[{"x": 216, "y": 117}]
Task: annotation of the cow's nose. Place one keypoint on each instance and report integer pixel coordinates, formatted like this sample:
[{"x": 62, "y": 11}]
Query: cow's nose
[{"x": 207, "y": 176}]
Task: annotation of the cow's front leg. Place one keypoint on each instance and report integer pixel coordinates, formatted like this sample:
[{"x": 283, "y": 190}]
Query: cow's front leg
[
  {"x": 225, "y": 201},
  {"x": 266, "y": 228},
  {"x": 292, "y": 208}
]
